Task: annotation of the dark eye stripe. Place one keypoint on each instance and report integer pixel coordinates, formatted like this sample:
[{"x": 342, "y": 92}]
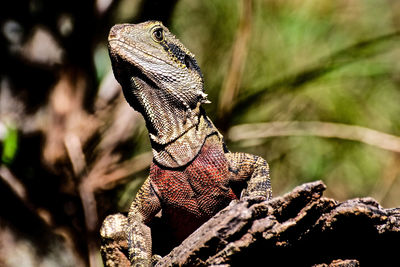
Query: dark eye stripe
[{"x": 188, "y": 61}]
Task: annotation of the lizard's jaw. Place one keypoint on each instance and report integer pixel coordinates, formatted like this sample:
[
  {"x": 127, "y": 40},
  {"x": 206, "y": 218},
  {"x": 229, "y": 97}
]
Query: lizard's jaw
[{"x": 124, "y": 67}]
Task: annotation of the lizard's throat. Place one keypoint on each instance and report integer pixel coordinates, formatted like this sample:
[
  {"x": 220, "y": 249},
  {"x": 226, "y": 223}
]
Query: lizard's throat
[
  {"x": 176, "y": 132},
  {"x": 166, "y": 118},
  {"x": 170, "y": 125},
  {"x": 183, "y": 149}
]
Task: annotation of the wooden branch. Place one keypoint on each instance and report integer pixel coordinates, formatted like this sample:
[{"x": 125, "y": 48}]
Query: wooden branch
[
  {"x": 300, "y": 228},
  {"x": 315, "y": 128}
]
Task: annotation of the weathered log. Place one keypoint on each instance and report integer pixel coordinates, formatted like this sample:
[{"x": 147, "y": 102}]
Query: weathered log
[{"x": 301, "y": 228}]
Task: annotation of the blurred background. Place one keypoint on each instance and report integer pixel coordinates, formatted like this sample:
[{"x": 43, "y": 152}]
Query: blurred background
[{"x": 312, "y": 86}]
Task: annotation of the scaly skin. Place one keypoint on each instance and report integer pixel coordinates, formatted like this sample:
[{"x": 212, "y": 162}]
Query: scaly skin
[{"x": 193, "y": 175}]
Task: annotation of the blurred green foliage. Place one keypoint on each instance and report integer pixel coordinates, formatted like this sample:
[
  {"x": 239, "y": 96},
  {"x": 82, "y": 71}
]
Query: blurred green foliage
[{"x": 10, "y": 145}]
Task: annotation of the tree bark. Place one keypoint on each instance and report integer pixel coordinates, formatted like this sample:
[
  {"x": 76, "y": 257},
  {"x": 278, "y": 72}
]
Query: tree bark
[{"x": 301, "y": 228}]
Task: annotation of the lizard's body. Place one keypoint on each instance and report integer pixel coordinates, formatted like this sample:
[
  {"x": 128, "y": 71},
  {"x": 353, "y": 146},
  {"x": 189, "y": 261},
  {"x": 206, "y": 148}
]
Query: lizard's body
[
  {"x": 193, "y": 175},
  {"x": 194, "y": 194}
]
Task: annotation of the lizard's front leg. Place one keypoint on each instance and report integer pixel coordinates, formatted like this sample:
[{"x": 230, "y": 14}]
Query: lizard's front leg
[
  {"x": 143, "y": 209},
  {"x": 251, "y": 169},
  {"x": 139, "y": 238},
  {"x": 127, "y": 241}
]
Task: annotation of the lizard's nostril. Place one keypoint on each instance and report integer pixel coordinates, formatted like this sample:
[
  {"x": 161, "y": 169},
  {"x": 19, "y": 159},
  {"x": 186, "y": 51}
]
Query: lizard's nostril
[{"x": 114, "y": 32}]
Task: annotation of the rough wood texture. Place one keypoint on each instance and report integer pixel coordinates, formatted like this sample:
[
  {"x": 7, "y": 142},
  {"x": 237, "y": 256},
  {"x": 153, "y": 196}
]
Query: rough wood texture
[{"x": 301, "y": 228}]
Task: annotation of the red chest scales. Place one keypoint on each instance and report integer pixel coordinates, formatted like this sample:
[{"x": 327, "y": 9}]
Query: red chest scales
[{"x": 192, "y": 195}]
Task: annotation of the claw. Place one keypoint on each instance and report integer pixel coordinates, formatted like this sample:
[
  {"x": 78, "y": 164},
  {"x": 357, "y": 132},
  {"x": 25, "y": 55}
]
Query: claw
[{"x": 155, "y": 258}]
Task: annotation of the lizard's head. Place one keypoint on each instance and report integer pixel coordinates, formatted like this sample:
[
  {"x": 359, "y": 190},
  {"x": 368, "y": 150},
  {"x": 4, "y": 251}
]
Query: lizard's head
[
  {"x": 161, "y": 79},
  {"x": 150, "y": 62}
]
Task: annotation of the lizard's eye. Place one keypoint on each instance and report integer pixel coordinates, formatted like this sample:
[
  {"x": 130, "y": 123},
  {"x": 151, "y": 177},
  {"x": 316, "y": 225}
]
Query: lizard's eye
[{"x": 158, "y": 35}]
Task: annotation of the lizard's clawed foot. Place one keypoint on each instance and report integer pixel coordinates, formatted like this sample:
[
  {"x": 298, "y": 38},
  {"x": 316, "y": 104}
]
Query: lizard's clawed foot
[
  {"x": 141, "y": 264},
  {"x": 145, "y": 263},
  {"x": 155, "y": 258},
  {"x": 113, "y": 227}
]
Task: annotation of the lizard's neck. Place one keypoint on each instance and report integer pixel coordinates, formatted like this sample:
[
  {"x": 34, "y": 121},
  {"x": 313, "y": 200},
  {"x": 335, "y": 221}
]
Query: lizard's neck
[
  {"x": 166, "y": 123},
  {"x": 177, "y": 127},
  {"x": 185, "y": 147}
]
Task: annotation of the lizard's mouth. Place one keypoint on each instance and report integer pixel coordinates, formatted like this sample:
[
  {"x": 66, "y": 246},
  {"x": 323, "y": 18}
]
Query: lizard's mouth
[
  {"x": 126, "y": 72},
  {"x": 139, "y": 77}
]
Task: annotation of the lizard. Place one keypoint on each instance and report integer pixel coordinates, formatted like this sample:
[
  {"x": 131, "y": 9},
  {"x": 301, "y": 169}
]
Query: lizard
[{"x": 193, "y": 175}]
